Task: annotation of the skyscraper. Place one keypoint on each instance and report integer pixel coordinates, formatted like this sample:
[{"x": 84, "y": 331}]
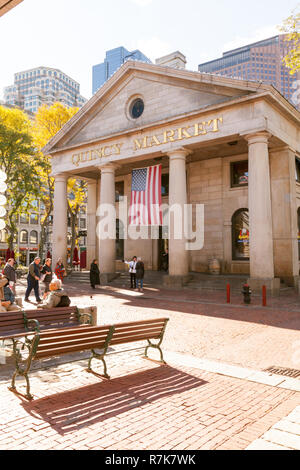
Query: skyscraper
[
  {"x": 260, "y": 61},
  {"x": 43, "y": 85},
  {"x": 113, "y": 60}
]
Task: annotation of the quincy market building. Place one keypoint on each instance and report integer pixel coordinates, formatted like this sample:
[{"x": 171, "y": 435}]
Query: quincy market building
[{"x": 227, "y": 144}]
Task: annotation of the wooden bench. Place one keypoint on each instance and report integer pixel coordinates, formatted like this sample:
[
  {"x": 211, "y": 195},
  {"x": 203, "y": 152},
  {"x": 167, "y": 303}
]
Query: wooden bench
[
  {"x": 20, "y": 324},
  {"x": 96, "y": 339}
]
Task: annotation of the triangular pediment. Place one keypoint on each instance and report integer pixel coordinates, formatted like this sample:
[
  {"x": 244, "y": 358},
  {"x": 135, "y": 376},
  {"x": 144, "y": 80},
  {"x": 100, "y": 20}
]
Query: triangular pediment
[{"x": 166, "y": 93}]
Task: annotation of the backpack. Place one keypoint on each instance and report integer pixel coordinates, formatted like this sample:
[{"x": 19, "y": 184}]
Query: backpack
[{"x": 64, "y": 302}]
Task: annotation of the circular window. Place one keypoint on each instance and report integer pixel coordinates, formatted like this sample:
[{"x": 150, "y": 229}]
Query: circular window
[{"x": 137, "y": 108}]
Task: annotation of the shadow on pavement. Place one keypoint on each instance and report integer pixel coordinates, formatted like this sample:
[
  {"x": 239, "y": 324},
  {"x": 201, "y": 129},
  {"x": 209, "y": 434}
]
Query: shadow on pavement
[{"x": 85, "y": 406}]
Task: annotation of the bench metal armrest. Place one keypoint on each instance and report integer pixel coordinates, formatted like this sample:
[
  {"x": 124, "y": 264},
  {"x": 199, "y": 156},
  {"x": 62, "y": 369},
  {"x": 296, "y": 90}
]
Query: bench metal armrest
[
  {"x": 90, "y": 317},
  {"x": 35, "y": 326}
]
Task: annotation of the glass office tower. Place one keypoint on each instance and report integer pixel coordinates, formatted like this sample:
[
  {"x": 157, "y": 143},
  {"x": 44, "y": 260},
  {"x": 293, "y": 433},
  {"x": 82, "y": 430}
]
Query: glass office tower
[
  {"x": 113, "y": 60},
  {"x": 260, "y": 61}
]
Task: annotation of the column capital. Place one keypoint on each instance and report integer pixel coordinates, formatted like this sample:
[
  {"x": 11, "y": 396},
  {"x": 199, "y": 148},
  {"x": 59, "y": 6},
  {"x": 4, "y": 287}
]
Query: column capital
[
  {"x": 258, "y": 137},
  {"x": 108, "y": 167},
  {"x": 61, "y": 178},
  {"x": 179, "y": 153}
]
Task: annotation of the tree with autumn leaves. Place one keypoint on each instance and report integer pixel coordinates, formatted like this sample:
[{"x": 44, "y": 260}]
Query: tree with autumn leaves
[
  {"x": 291, "y": 27},
  {"x": 20, "y": 161},
  {"x": 29, "y": 170},
  {"x": 48, "y": 121}
]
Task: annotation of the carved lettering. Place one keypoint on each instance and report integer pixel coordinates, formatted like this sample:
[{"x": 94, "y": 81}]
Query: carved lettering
[{"x": 141, "y": 143}]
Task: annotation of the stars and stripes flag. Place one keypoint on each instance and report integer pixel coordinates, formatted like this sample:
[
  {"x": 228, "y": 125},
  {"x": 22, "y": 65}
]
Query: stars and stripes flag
[{"x": 145, "y": 206}]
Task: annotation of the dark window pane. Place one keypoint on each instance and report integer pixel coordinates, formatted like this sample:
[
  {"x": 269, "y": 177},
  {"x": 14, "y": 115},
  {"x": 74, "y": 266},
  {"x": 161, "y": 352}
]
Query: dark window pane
[
  {"x": 239, "y": 174},
  {"x": 241, "y": 235},
  {"x": 119, "y": 190},
  {"x": 119, "y": 240},
  {"x": 297, "y": 170},
  {"x": 165, "y": 185},
  {"x": 137, "y": 108}
]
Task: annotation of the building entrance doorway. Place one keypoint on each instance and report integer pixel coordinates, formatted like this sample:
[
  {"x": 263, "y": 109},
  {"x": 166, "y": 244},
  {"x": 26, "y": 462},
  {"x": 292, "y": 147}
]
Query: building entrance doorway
[{"x": 163, "y": 249}]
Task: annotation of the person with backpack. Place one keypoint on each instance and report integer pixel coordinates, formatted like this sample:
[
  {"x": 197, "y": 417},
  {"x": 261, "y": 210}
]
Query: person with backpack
[{"x": 57, "y": 297}]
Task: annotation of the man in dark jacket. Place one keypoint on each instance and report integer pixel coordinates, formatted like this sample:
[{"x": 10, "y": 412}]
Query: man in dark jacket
[
  {"x": 33, "y": 278},
  {"x": 10, "y": 273}
]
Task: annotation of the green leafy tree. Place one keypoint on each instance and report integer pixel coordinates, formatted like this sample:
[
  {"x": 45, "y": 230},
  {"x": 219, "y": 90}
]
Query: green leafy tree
[{"x": 19, "y": 160}]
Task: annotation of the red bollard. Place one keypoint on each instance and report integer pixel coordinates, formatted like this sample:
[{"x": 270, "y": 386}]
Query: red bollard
[
  {"x": 228, "y": 293},
  {"x": 264, "y": 295}
]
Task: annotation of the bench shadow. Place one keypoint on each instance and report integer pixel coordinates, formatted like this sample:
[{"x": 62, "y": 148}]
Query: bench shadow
[{"x": 92, "y": 404}]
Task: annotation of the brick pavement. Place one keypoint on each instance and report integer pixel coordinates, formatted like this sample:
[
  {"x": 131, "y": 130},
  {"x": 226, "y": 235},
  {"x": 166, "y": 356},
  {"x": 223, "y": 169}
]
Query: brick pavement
[
  {"x": 144, "y": 406},
  {"x": 184, "y": 405}
]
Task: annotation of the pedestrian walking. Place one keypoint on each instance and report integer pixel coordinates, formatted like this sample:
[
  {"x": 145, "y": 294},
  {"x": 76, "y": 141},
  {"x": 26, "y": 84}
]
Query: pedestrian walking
[
  {"x": 10, "y": 273},
  {"x": 140, "y": 273},
  {"x": 47, "y": 275},
  {"x": 33, "y": 278},
  {"x": 60, "y": 270},
  {"x": 94, "y": 274},
  {"x": 132, "y": 271}
]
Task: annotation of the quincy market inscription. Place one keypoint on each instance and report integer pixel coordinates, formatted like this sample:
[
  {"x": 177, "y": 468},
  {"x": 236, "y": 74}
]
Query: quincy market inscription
[{"x": 161, "y": 138}]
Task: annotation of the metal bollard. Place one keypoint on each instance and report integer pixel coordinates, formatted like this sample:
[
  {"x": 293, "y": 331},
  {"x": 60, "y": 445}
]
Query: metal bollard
[
  {"x": 228, "y": 294},
  {"x": 264, "y": 296}
]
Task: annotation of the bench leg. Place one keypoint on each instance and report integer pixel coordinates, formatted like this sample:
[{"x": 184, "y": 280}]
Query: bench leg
[
  {"x": 101, "y": 358},
  {"x": 20, "y": 371},
  {"x": 155, "y": 346}
]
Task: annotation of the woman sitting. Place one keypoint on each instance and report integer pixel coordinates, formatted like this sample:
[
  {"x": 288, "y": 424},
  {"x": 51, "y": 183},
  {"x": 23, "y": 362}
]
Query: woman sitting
[
  {"x": 7, "y": 296},
  {"x": 55, "y": 296}
]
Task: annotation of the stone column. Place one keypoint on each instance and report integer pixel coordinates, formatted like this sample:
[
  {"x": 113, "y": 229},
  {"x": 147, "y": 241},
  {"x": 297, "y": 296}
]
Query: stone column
[
  {"x": 60, "y": 220},
  {"x": 91, "y": 221},
  {"x": 285, "y": 223},
  {"x": 178, "y": 256},
  {"x": 106, "y": 230},
  {"x": 260, "y": 215}
]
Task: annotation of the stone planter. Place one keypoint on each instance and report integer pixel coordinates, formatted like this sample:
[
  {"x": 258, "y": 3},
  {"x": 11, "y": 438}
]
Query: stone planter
[{"x": 214, "y": 267}]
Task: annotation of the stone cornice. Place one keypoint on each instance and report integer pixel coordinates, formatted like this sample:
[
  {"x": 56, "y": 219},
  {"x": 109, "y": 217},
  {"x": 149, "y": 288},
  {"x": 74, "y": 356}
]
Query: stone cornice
[{"x": 255, "y": 90}]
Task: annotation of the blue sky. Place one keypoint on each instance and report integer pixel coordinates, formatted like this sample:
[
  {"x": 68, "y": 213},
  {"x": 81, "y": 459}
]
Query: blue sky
[{"x": 73, "y": 35}]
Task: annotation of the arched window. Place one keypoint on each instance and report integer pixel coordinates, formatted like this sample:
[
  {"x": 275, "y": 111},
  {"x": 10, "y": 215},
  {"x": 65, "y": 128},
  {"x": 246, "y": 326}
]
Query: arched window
[
  {"x": 33, "y": 237},
  {"x": 119, "y": 240},
  {"x": 24, "y": 236},
  {"x": 240, "y": 235}
]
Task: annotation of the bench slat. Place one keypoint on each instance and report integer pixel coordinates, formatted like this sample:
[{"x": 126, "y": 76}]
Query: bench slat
[
  {"x": 138, "y": 323},
  {"x": 128, "y": 334},
  {"x": 69, "y": 349},
  {"x": 71, "y": 331},
  {"x": 132, "y": 339},
  {"x": 75, "y": 337}
]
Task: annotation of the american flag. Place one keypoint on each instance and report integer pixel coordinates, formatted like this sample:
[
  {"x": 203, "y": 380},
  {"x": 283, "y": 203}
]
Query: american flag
[{"x": 145, "y": 207}]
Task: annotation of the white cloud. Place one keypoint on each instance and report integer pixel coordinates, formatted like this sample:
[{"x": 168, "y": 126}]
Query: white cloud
[
  {"x": 142, "y": 3},
  {"x": 154, "y": 47}
]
